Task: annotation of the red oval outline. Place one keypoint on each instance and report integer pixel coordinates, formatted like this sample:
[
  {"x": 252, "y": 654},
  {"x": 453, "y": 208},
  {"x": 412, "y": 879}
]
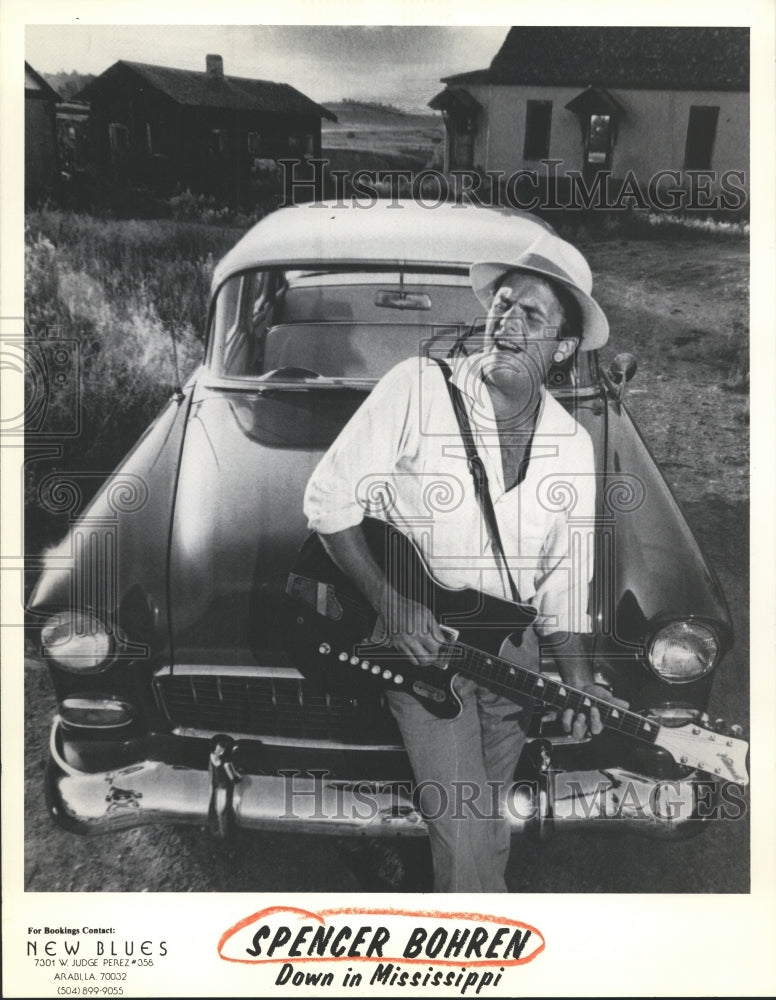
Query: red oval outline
[{"x": 321, "y": 916}]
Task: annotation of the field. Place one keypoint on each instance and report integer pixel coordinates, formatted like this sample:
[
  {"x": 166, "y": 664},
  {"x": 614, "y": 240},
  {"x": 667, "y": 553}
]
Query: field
[
  {"x": 679, "y": 304},
  {"x": 379, "y": 137}
]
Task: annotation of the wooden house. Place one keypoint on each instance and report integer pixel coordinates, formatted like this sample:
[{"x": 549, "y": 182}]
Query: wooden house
[{"x": 203, "y": 131}]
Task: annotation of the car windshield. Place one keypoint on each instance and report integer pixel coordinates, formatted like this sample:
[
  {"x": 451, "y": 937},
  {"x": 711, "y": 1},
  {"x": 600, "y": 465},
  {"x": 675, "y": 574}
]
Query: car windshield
[{"x": 345, "y": 325}]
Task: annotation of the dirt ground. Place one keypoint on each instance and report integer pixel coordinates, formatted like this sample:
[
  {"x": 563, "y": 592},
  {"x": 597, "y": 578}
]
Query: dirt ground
[{"x": 672, "y": 304}]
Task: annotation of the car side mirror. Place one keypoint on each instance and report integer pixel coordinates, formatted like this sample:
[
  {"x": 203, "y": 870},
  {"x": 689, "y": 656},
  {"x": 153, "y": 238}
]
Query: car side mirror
[{"x": 621, "y": 371}]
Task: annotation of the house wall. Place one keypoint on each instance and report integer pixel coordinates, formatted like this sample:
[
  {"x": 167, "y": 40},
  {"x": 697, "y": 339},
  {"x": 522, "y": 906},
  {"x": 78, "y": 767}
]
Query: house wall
[
  {"x": 184, "y": 153},
  {"x": 651, "y": 137},
  {"x": 40, "y": 144},
  {"x": 121, "y": 102}
]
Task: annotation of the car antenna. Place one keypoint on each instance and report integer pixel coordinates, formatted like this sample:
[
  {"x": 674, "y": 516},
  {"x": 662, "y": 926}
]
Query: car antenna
[{"x": 177, "y": 391}]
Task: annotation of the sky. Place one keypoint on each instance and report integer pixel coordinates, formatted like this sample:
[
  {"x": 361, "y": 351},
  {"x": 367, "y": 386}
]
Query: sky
[{"x": 399, "y": 65}]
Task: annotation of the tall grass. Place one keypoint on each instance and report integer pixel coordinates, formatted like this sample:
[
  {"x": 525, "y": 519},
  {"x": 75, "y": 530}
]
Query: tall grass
[
  {"x": 118, "y": 290},
  {"x": 648, "y": 225}
]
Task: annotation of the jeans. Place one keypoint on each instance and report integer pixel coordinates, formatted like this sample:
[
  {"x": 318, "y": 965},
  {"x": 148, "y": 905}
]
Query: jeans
[{"x": 453, "y": 761}]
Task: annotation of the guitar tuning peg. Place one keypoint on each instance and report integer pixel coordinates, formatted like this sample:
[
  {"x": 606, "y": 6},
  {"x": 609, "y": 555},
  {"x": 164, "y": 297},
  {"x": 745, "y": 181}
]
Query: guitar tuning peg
[
  {"x": 703, "y": 718},
  {"x": 736, "y": 730},
  {"x": 720, "y": 725}
]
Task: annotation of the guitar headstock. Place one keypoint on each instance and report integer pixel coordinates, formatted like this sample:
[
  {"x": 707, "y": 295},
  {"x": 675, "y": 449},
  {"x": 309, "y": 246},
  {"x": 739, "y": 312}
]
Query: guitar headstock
[{"x": 718, "y": 753}]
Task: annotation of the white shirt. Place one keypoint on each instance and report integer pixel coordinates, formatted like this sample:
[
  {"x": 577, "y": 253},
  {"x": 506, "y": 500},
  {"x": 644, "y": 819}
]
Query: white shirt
[{"x": 401, "y": 458}]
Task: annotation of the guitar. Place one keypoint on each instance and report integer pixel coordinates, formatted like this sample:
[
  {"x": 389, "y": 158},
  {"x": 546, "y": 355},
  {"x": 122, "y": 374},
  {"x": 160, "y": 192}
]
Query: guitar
[{"x": 335, "y": 626}]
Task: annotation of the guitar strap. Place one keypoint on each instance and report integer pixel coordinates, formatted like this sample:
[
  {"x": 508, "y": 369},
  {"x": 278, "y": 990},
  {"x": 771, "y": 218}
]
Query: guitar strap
[{"x": 478, "y": 474}]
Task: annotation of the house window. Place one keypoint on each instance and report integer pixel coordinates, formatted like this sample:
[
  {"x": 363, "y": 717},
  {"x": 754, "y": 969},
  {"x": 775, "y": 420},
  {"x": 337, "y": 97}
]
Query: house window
[
  {"x": 158, "y": 139},
  {"x": 118, "y": 136},
  {"x": 701, "y": 133},
  {"x": 300, "y": 145},
  {"x": 538, "y": 118},
  {"x": 217, "y": 141},
  {"x": 254, "y": 143}
]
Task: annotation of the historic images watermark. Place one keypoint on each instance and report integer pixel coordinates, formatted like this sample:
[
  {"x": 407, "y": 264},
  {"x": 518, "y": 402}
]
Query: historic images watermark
[
  {"x": 610, "y": 795},
  {"x": 527, "y": 190}
]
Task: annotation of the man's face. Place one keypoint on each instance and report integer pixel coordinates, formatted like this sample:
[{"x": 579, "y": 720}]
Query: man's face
[
  {"x": 522, "y": 331},
  {"x": 524, "y": 313}
]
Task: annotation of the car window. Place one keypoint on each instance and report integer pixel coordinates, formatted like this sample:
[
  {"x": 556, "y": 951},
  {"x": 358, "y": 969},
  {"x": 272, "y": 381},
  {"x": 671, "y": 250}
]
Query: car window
[{"x": 297, "y": 324}]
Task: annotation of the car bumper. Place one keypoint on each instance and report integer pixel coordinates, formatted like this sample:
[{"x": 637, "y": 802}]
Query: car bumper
[{"x": 151, "y": 791}]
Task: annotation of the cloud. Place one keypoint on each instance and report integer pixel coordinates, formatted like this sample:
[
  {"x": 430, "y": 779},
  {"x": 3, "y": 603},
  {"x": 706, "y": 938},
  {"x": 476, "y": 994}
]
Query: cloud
[{"x": 392, "y": 63}]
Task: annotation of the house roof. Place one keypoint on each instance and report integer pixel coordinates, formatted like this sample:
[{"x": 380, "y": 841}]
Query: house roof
[
  {"x": 595, "y": 100},
  {"x": 196, "y": 89},
  {"x": 41, "y": 87},
  {"x": 455, "y": 99},
  {"x": 638, "y": 58}
]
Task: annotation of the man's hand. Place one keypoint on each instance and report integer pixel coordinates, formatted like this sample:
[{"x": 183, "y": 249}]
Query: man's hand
[
  {"x": 570, "y": 651},
  {"x": 412, "y": 629},
  {"x": 578, "y": 725}
]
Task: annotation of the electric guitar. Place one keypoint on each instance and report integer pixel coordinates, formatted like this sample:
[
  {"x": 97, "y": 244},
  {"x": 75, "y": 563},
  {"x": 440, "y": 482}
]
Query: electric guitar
[{"x": 334, "y": 625}]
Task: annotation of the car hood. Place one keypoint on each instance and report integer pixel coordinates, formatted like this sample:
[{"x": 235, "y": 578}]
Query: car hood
[
  {"x": 238, "y": 521},
  {"x": 238, "y": 516}
]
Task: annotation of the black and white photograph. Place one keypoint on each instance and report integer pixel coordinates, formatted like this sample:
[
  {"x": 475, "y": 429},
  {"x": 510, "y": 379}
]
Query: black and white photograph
[{"x": 388, "y": 604}]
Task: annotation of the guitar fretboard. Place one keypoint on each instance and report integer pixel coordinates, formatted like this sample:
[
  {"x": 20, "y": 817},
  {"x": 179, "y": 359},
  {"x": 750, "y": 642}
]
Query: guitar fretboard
[{"x": 512, "y": 678}]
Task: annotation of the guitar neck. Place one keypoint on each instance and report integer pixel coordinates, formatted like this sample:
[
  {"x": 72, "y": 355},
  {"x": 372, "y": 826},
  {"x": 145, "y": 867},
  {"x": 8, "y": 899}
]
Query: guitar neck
[{"x": 514, "y": 679}]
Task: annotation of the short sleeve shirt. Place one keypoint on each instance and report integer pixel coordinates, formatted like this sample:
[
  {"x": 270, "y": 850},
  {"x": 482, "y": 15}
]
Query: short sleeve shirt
[{"x": 401, "y": 458}]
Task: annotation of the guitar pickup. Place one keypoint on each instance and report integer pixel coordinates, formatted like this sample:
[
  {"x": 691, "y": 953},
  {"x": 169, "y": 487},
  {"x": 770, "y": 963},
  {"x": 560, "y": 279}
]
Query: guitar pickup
[
  {"x": 428, "y": 691},
  {"x": 319, "y": 596}
]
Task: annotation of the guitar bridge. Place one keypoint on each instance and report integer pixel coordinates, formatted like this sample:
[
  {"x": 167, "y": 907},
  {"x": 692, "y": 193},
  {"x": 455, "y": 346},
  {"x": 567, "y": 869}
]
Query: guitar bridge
[{"x": 319, "y": 596}]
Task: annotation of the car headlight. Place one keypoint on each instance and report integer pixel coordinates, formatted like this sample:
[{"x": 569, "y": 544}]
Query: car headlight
[
  {"x": 683, "y": 651},
  {"x": 95, "y": 711},
  {"x": 76, "y": 641}
]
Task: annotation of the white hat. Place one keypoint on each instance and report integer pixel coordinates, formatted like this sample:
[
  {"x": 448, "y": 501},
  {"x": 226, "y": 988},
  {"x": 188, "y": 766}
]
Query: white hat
[{"x": 550, "y": 257}]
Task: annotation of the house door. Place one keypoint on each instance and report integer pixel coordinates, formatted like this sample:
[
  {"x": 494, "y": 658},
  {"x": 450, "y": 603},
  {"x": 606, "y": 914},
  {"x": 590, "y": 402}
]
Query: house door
[
  {"x": 599, "y": 115},
  {"x": 461, "y": 137},
  {"x": 119, "y": 148},
  {"x": 598, "y": 144}
]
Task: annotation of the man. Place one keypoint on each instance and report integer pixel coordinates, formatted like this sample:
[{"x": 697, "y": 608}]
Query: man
[{"x": 405, "y": 438}]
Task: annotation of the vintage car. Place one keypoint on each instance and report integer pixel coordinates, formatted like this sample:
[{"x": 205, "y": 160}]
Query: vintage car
[{"x": 169, "y": 613}]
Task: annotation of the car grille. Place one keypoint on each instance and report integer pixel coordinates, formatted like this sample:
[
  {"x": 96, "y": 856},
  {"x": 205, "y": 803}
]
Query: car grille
[{"x": 276, "y": 706}]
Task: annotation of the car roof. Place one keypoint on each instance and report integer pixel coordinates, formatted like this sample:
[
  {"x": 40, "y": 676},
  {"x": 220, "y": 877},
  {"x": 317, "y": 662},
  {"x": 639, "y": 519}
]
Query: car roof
[{"x": 390, "y": 231}]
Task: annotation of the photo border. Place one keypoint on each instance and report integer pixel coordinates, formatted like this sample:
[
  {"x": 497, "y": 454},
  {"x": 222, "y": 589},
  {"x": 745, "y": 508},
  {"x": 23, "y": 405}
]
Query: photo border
[{"x": 596, "y": 945}]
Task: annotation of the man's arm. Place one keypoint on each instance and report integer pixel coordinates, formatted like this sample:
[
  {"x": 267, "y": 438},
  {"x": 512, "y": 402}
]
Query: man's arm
[
  {"x": 369, "y": 448},
  {"x": 412, "y": 628}
]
